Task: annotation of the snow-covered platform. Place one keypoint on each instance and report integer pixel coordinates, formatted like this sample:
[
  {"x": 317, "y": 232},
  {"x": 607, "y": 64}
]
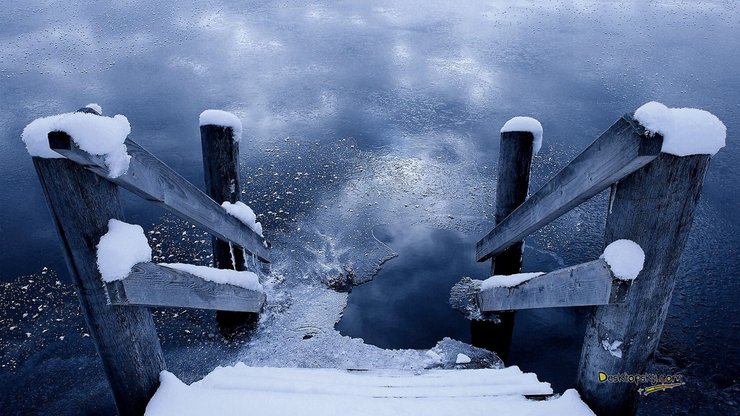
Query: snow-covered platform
[{"x": 264, "y": 391}]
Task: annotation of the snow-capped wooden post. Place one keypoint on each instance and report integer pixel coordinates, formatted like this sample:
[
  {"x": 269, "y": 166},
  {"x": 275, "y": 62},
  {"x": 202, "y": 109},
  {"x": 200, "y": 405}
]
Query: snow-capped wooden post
[
  {"x": 220, "y": 133},
  {"x": 81, "y": 203},
  {"x": 521, "y": 138},
  {"x": 653, "y": 207}
]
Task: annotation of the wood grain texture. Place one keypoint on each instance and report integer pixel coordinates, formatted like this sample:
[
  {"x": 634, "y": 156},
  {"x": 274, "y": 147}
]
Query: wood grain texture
[
  {"x": 81, "y": 203},
  {"x": 151, "y": 179},
  {"x": 150, "y": 284},
  {"x": 512, "y": 188},
  {"x": 653, "y": 207},
  {"x": 619, "y": 151},
  {"x": 585, "y": 284}
]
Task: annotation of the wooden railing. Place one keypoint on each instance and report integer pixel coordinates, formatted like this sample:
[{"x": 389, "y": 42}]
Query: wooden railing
[
  {"x": 82, "y": 198},
  {"x": 652, "y": 201}
]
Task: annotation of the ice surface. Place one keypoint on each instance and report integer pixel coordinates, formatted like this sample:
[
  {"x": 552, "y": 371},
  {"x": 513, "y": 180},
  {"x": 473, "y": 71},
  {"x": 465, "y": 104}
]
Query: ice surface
[
  {"x": 245, "y": 279},
  {"x": 685, "y": 131},
  {"x": 245, "y": 214},
  {"x": 224, "y": 119},
  {"x": 97, "y": 135},
  {"x": 120, "y": 249},
  {"x": 508, "y": 281},
  {"x": 625, "y": 258},
  {"x": 529, "y": 124},
  {"x": 291, "y": 391}
]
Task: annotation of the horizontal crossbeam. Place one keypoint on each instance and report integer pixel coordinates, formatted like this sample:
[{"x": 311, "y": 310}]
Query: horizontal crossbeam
[
  {"x": 150, "y": 284},
  {"x": 586, "y": 284}
]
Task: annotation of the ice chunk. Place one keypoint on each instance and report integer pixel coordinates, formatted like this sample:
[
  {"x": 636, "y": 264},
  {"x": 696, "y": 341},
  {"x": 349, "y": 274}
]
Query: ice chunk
[
  {"x": 224, "y": 119},
  {"x": 462, "y": 359},
  {"x": 247, "y": 280},
  {"x": 244, "y": 214},
  {"x": 120, "y": 248},
  {"x": 685, "y": 131},
  {"x": 614, "y": 348},
  {"x": 529, "y": 124},
  {"x": 97, "y": 135},
  {"x": 625, "y": 258},
  {"x": 95, "y": 107},
  {"x": 508, "y": 281}
]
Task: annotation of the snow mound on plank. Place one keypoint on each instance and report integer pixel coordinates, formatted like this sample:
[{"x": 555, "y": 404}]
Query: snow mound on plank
[
  {"x": 625, "y": 258},
  {"x": 245, "y": 279},
  {"x": 244, "y": 214},
  {"x": 120, "y": 249},
  {"x": 685, "y": 131},
  {"x": 508, "y": 281}
]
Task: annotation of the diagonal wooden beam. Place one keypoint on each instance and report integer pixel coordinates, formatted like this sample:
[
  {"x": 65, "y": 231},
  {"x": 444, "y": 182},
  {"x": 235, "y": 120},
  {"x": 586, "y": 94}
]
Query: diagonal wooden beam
[
  {"x": 619, "y": 151},
  {"x": 152, "y": 180}
]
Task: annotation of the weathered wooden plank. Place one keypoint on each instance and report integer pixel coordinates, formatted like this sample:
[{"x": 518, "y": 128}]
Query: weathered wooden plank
[
  {"x": 151, "y": 179},
  {"x": 81, "y": 203},
  {"x": 653, "y": 207},
  {"x": 150, "y": 284},
  {"x": 586, "y": 284},
  {"x": 514, "y": 165},
  {"x": 621, "y": 150}
]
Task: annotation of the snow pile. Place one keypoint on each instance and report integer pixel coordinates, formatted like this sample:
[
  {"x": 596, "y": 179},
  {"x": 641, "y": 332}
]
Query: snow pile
[
  {"x": 223, "y": 119},
  {"x": 508, "y": 281},
  {"x": 92, "y": 133},
  {"x": 529, "y": 124},
  {"x": 244, "y": 214},
  {"x": 685, "y": 131},
  {"x": 247, "y": 280},
  {"x": 269, "y": 391},
  {"x": 120, "y": 248},
  {"x": 625, "y": 258}
]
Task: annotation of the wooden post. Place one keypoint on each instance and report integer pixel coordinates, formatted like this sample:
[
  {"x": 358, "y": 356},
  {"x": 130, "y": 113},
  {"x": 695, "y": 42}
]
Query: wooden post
[
  {"x": 514, "y": 166},
  {"x": 653, "y": 207},
  {"x": 221, "y": 169},
  {"x": 81, "y": 203}
]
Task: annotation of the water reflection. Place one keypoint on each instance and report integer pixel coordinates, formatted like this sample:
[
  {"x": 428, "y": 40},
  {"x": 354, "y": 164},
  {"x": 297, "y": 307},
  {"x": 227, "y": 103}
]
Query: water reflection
[{"x": 423, "y": 86}]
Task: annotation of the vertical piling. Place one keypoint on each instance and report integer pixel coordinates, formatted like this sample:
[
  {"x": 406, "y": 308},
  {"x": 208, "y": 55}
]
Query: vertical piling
[
  {"x": 81, "y": 203},
  {"x": 653, "y": 207},
  {"x": 221, "y": 170},
  {"x": 514, "y": 166}
]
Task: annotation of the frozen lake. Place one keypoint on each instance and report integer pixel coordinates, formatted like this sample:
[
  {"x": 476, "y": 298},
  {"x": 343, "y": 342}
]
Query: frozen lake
[{"x": 360, "y": 117}]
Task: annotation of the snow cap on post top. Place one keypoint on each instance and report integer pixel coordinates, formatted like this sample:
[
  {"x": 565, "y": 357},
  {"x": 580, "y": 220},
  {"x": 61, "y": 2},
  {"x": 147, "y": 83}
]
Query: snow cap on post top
[
  {"x": 529, "y": 124},
  {"x": 95, "y": 134},
  {"x": 223, "y": 119},
  {"x": 625, "y": 259},
  {"x": 685, "y": 131}
]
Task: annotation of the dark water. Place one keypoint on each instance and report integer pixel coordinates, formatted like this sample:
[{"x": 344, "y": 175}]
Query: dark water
[
  {"x": 406, "y": 304},
  {"x": 425, "y": 83}
]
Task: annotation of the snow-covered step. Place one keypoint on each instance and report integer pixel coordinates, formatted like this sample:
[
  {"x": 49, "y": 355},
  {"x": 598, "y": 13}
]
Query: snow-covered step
[{"x": 262, "y": 391}]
